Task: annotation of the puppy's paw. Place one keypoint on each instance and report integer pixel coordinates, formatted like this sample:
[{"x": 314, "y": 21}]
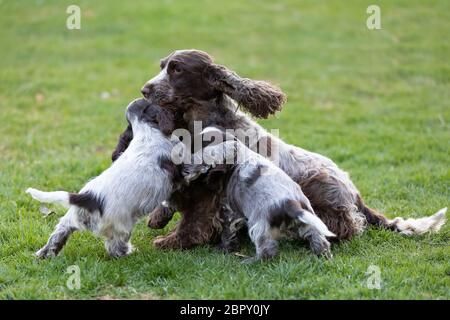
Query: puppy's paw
[
  {"x": 45, "y": 253},
  {"x": 191, "y": 172},
  {"x": 118, "y": 249},
  {"x": 320, "y": 246},
  {"x": 327, "y": 254},
  {"x": 225, "y": 248},
  {"x": 251, "y": 260}
]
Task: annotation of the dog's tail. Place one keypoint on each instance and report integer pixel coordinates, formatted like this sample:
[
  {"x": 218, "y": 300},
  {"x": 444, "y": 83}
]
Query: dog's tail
[
  {"x": 85, "y": 200},
  {"x": 295, "y": 210},
  {"x": 407, "y": 227},
  {"x": 59, "y": 197}
]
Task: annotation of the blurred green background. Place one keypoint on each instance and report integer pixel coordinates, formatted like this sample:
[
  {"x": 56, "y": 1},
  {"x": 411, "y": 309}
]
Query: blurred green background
[{"x": 376, "y": 102}]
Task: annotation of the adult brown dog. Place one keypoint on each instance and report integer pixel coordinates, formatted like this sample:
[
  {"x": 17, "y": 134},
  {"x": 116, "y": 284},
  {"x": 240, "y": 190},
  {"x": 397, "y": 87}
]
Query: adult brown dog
[{"x": 197, "y": 89}]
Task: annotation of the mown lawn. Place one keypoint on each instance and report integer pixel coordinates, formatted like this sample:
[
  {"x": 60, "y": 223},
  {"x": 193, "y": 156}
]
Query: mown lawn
[{"x": 377, "y": 102}]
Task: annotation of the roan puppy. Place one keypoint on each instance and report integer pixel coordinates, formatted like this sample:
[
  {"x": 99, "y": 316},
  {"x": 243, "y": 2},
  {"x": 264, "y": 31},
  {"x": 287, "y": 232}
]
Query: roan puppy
[
  {"x": 136, "y": 183},
  {"x": 261, "y": 193}
]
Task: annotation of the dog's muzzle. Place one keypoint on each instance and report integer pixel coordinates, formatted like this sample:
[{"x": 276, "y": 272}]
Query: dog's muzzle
[{"x": 147, "y": 90}]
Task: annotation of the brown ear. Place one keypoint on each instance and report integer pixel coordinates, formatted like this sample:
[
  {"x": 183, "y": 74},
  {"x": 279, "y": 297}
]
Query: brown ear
[
  {"x": 260, "y": 98},
  {"x": 165, "y": 121}
]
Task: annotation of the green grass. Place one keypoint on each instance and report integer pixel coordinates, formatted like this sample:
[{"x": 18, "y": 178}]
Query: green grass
[{"x": 376, "y": 102}]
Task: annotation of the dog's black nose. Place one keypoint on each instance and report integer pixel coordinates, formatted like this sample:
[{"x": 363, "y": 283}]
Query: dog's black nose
[{"x": 146, "y": 91}]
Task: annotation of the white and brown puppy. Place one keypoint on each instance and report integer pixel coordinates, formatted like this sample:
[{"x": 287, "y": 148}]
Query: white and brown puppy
[
  {"x": 261, "y": 193},
  {"x": 137, "y": 182}
]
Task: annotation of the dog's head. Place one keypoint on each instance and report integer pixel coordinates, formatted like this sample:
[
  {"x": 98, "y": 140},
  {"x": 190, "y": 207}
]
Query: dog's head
[
  {"x": 192, "y": 74},
  {"x": 142, "y": 111}
]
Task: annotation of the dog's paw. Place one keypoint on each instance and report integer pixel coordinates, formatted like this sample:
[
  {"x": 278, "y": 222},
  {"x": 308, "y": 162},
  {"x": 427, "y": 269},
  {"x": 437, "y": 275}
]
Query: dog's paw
[
  {"x": 251, "y": 260},
  {"x": 45, "y": 253},
  {"x": 193, "y": 171},
  {"x": 120, "y": 254},
  {"x": 224, "y": 248},
  {"x": 327, "y": 254},
  {"x": 156, "y": 223},
  {"x": 160, "y": 217},
  {"x": 320, "y": 246},
  {"x": 167, "y": 242}
]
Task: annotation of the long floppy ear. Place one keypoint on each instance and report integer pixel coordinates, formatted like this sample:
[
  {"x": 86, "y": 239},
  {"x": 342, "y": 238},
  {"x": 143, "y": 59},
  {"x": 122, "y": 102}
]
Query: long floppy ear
[
  {"x": 165, "y": 121},
  {"x": 260, "y": 98}
]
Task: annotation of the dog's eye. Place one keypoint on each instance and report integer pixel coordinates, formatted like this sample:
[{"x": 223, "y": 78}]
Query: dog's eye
[
  {"x": 175, "y": 68},
  {"x": 162, "y": 64}
]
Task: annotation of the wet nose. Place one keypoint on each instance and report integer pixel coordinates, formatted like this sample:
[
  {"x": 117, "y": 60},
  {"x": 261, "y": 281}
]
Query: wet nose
[{"x": 146, "y": 91}]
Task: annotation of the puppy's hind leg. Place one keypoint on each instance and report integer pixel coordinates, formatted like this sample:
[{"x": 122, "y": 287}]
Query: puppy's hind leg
[
  {"x": 312, "y": 228},
  {"x": 266, "y": 246},
  {"x": 66, "y": 226},
  {"x": 318, "y": 244}
]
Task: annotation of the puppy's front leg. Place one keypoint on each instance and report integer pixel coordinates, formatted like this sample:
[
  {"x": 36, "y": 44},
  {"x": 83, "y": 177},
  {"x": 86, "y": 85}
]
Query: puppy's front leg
[
  {"x": 119, "y": 245},
  {"x": 266, "y": 246}
]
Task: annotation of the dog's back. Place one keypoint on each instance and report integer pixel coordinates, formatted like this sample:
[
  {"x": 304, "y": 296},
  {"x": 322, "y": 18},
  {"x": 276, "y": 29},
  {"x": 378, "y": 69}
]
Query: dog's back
[{"x": 136, "y": 180}]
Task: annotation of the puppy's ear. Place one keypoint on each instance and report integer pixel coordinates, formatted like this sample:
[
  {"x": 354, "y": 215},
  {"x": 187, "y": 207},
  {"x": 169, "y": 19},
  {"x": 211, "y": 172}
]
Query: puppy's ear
[
  {"x": 165, "y": 120},
  {"x": 260, "y": 98}
]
